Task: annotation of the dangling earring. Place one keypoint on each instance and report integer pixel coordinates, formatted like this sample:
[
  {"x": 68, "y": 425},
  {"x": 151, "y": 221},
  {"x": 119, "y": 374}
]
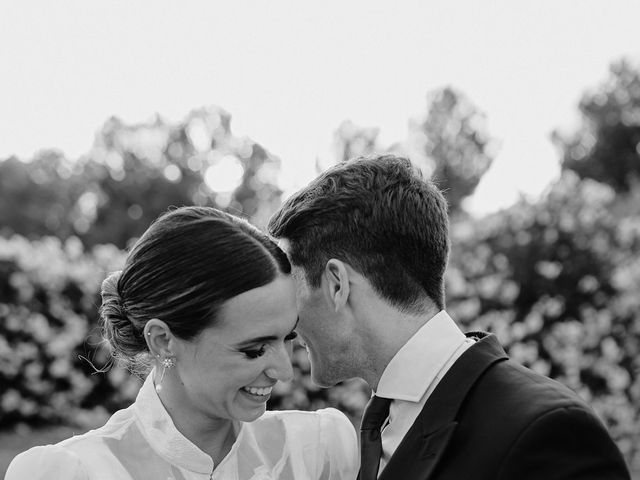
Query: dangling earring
[{"x": 167, "y": 362}]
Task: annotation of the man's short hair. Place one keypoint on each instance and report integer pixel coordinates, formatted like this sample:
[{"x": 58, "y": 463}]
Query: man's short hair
[{"x": 378, "y": 215}]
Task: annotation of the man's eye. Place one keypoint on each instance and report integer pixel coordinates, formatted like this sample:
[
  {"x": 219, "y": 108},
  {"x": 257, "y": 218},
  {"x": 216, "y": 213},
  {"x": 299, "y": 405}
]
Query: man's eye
[
  {"x": 291, "y": 336},
  {"x": 255, "y": 353}
]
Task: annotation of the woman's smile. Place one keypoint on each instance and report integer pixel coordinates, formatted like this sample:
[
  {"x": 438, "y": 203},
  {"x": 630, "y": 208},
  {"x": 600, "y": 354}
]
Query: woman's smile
[{"x": 260, "y": 394}]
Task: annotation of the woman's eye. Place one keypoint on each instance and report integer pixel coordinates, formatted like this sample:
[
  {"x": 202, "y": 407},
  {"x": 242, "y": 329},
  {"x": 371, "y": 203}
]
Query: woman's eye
[
  {"x": 255, "y": 353},
  {"x": 291, "y": 336},
  {"x": 258, "y": 352}
]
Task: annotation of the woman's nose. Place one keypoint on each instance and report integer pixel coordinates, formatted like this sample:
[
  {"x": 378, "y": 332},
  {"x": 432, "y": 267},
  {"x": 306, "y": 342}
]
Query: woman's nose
[{"x": 280, "y": 367}]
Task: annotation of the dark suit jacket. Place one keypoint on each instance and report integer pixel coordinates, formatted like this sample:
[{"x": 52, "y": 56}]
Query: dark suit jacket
[{"x": 492, "y": 418}]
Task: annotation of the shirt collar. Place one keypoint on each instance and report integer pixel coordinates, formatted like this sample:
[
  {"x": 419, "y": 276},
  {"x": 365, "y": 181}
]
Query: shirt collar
[
  {"x": 416, "y": 365},
  {"x": 159, "y": 430}
]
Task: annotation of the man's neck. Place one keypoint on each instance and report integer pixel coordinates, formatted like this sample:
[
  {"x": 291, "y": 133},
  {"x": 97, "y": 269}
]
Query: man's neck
[{"x": 387, "y": 333}]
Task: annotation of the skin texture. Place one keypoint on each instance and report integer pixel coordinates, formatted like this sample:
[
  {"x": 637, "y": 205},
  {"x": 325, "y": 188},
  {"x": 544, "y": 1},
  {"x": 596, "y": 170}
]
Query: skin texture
[
  {"x": 322, "y": 332},
  {"x": 204, "y": 393},
  {"x": 345, "y": 324}
]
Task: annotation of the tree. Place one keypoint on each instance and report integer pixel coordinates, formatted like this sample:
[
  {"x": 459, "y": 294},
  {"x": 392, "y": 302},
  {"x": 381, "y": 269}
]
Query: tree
[
  {"x": 451, "y": 144},
  {"x": 351, "y": 140},
  {"x": 133, "y": 173},
  {"x": 606, "y": 147},
  {"x": 36, "y": 197}
]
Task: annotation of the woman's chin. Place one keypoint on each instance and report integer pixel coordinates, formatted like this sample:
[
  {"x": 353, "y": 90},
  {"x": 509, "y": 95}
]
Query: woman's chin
[
  {"x": 250, "y": 416},
  {"x": 247, "y": 408}
]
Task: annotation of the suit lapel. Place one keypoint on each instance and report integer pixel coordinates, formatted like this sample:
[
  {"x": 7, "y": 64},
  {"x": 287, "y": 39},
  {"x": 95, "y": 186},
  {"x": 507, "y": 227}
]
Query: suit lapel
[
  {"x": 418, "y": 454},
  {"x": 424, "y": 444}
]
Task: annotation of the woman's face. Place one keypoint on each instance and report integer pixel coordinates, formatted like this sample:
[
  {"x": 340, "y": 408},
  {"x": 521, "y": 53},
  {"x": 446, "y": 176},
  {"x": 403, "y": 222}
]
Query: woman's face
[{"x": 228, "y": 371}]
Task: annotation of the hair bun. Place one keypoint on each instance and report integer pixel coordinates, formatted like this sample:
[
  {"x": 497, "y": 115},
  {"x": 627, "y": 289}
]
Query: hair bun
[
  {"x": 118, "y": 330},
  {"x": 110, "y": 285},
  {"x": 112, "y": 311}
]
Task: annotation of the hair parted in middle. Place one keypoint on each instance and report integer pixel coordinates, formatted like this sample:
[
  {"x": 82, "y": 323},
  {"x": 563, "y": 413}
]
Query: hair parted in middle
[{"x": 380, "y": 216}]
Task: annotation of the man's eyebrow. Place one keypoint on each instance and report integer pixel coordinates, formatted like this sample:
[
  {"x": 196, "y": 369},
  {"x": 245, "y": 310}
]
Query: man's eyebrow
[{"x": 264, "y": 338}]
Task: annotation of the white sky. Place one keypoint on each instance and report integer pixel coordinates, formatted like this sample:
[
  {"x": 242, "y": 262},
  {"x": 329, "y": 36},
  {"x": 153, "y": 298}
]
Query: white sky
[{"x": 290, "y": 72}]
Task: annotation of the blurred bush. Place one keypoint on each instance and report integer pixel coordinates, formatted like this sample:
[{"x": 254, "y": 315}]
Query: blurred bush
[
  {"x": 557, "y": 282},
  {"x": 48, "y": 340}
]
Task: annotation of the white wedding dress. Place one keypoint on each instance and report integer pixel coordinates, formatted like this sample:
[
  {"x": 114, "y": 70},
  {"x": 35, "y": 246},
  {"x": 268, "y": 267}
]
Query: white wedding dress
[{"x": 142, "y": 443}]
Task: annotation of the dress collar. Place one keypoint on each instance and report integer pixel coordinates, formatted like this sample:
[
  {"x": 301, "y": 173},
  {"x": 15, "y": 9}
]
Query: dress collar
[
  {"x": 417, "y": 364},
  {"x": 164, "y": 438}
]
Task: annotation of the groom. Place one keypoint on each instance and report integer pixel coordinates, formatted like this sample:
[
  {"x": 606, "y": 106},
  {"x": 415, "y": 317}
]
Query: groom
[{"x": 368, "y": 241}]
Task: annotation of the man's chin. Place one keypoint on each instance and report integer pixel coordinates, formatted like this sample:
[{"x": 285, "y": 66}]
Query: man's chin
[{"x": 322, "y": 380}]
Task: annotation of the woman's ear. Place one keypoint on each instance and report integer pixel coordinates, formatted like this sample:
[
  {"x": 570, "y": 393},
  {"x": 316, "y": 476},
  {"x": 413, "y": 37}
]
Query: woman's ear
[
  {"x": 337, "y": 282},
  {"x": 158, "y": 337}
]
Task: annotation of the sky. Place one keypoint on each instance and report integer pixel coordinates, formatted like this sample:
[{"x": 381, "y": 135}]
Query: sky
[{"x": 290, "y": 72}]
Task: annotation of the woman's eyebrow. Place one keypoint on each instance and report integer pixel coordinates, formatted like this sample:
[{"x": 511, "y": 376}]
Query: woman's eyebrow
[{"x": 264, "y": 338}]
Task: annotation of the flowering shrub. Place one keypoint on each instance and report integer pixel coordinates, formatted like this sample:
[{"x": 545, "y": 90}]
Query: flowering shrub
[
  {"x": 48, "y": 312},
  {"x": 559, "y": 283}
]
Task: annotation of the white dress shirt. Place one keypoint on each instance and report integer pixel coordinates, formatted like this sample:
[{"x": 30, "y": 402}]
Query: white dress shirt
[
  {"x": 142, "y": 443},
  {"x": 414, "y": 372}
]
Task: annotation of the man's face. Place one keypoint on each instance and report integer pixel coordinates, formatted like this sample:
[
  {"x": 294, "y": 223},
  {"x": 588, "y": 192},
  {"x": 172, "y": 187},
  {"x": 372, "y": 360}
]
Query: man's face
[{"x": 321, "y": 331}]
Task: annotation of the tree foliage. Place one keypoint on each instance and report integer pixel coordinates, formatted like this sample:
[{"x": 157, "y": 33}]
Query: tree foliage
[
  {"x": 135, "y": 172},
  {"x": 48, "y": 297},
  {"x": 351, "y": 140},
  {"x": 606, "y": 147},
  {"x": 38, "y": 198},
  {"x": 557, "y": 282},
  {"x": 450, "y": 143}
]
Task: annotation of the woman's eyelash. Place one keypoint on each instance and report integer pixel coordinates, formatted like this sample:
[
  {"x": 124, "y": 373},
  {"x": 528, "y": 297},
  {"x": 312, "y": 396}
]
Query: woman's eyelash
[
  {"x": 255, "y": 353},
  {"x": 291, "y": 336},
  {"x": 260, "y": 351}
]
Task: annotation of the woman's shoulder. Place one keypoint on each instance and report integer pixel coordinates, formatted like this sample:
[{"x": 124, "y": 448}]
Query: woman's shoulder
[
  {"x": 47, "y": 461},
  {"x": 67, "y": 458}
]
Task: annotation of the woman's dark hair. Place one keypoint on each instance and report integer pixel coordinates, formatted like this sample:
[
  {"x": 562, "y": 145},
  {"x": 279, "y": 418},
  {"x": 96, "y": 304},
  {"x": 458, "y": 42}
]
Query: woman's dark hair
[{"x": 182, "y": 269}]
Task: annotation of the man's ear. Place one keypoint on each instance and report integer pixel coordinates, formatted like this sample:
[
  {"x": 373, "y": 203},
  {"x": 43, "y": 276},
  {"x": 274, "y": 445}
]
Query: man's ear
[
  {"x": 159, "y": 338},
  {"x": 337, "y": 278}
]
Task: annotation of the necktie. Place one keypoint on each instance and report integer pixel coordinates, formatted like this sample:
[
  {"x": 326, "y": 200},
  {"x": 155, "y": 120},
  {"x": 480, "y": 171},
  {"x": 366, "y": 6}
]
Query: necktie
[{"x": 375, "y": 413}]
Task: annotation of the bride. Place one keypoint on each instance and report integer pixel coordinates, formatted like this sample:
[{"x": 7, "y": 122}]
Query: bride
[{"x": 207, "y": 302}]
